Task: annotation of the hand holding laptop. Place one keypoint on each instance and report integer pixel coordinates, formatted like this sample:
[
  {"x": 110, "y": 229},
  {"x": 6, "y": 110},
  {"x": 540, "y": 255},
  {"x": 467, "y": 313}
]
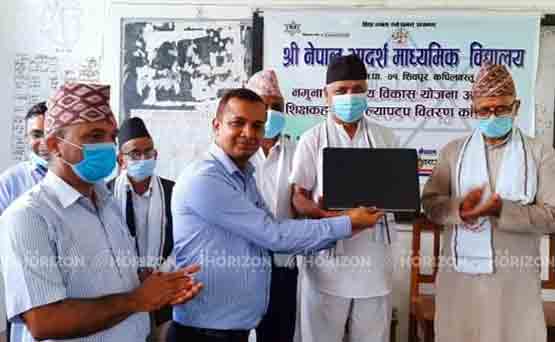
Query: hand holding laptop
[{"x": 363, "y": 218}]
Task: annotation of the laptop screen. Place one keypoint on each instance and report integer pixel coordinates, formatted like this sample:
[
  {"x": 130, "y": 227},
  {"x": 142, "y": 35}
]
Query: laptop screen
[{"x": 372, "y": 177}]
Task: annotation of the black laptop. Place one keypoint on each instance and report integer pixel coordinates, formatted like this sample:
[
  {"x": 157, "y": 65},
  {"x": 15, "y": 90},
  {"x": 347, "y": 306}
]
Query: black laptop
[{"x": 385, "y": 178}]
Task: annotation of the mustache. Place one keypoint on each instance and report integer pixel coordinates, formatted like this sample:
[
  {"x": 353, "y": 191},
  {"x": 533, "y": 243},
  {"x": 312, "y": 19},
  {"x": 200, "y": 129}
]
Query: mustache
[{"x": 248, "y": 141}]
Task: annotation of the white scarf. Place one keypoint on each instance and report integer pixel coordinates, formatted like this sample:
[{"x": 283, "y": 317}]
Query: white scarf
[
  {"x": 517, "y": 181},
  {"x": 156, "y": 221},
  {"x": 374, "y": 139}
]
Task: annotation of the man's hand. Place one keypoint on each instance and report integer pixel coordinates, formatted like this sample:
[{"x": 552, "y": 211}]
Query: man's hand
[
  {"x": 161, "y": 289},
  {"x": 144, "y": 272},
  {"x": 362, "y": 218},
  {"x": 472, "y": 199},
  {"x": 328, "y": 213},
  {"x": 490, "y": 208}
]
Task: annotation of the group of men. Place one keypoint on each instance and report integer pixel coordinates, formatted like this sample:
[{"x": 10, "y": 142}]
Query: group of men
[{"x": 242, "y": 241}]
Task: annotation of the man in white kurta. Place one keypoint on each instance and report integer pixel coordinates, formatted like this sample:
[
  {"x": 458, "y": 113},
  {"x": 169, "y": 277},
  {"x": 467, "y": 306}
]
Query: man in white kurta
[
  {"x": 493, "y": 191},
  {"x": 273, "y": 163},
  {"x": 346, "y": 292}
]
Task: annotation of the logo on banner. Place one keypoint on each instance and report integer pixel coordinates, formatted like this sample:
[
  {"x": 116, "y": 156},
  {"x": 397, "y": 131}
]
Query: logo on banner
[
  {"x": 292, "y": 28},
  {"x": 427, "y": 159},
  {"x": 400, "y": 36}
]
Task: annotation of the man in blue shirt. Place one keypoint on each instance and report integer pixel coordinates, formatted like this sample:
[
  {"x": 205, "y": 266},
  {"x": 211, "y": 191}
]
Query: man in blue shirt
[
  {"x": 222, "y": 223},
  {"x": 23, "y": 176}
]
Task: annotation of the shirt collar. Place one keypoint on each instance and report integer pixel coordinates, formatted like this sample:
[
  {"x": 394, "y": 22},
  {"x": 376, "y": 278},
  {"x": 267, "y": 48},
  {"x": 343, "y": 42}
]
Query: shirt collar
[
  {"x": 67, "y": 195},
  {"x": 275, "y": 149},
  {"x": 340, "y": 127},
  {"x": 129, "y": 186},
  {"x": 227, "y": 162},
  {"x": 501, "y": 144},
  {"x": 41, "y": 170},
  {"x": 277, "y": 145}
]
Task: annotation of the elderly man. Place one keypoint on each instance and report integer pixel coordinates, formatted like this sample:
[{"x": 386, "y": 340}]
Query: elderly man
[
  {"x": 494, "y": 192},
  {"x": 339, "y": 295},
  {"x": 23, "y": 176},
  {"x": 272, "y": 164},
  {"x": 69, "y": 261},
  {"x": 145, "y": 200},
  {"x": 144, "y": 197},
  {"x": 222, "y": 222}
]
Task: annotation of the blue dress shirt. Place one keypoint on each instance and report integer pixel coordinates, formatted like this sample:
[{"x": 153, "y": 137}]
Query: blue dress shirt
[{"x": 222, "y": 223}]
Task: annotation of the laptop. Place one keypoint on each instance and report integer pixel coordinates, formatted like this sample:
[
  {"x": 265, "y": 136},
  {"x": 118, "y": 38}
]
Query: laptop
[{"x": 385, "y": 178}]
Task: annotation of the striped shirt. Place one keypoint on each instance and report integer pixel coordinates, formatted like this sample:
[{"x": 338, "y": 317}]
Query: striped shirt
[
  {"x": 55, "y": 244},
  {"x": 222, "y": 223}
]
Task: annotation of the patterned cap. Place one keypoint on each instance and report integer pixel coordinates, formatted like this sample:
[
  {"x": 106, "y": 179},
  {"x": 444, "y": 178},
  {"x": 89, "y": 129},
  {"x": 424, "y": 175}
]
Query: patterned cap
[
  {"x": 264, "y": 83},
  {"x": 493, "y": 80},
  {"x": 76, "y": 103}
]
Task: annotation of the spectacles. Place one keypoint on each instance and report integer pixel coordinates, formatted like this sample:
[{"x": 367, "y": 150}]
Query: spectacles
[
  {"x": 499, "y": 111},
  {"x": 138, "y": 155},
  {"x": 36, "y": 134}
]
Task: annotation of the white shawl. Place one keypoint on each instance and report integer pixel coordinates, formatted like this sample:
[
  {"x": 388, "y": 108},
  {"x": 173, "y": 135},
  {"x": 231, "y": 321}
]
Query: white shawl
[
  {"x": 517, "y": 181},
  {"x": 153, "y": 245}
]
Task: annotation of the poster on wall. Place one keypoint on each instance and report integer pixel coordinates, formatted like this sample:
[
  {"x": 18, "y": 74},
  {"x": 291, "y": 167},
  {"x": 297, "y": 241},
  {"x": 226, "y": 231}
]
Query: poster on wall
[
  {"x": 58, "y": 41},
  {"x": 545, "y": 87},
  {"x": 420, "y": 68},
  {"x": 173, "y": 72}
]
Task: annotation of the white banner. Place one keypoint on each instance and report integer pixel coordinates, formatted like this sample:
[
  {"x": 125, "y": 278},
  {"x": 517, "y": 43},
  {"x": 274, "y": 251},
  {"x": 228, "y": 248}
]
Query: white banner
[{"x": 420, "y": 67}]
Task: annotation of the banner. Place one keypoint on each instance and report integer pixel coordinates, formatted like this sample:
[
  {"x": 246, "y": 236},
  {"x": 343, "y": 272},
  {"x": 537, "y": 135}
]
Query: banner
[{"x": 420, "y": 68}]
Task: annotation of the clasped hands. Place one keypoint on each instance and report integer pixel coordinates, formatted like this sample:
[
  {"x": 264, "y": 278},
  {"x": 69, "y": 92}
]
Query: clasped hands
[{"x": 473, "y": 207}]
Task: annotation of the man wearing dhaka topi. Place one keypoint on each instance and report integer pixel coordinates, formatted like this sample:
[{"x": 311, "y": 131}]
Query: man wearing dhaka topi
[{"x": 493, "y": 191}]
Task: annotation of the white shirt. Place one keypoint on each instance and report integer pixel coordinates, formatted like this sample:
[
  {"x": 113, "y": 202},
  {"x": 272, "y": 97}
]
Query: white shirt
[
  {"x": 363, "y": 269},
  {"x": 149, "y": 217},
  {"x": 272, "y": 180},
  {"x": 266, "y": 168},
  {"x": 141, "y": 206}
]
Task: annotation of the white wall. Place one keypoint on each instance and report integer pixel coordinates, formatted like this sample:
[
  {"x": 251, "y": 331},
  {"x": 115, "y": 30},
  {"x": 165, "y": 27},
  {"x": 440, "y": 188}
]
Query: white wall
[{"x": 7, "y": 22}]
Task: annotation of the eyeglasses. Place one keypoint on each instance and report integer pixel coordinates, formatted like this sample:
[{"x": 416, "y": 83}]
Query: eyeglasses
[
  {"x": 36, "y": 134},
  {"x": 499, "y": 111},
  {"x": 138, "y": 155}
]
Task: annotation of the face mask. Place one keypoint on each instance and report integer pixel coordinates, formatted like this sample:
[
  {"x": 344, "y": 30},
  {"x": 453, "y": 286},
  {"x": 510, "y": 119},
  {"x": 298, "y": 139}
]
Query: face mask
[
  {"x": 496, "y": 127},
  {"x": 99, "y": 160},
  {"x": 141, "y": 169},
  {"x": 274, "y": 124},
  {"x": 349, "y": 107},
  {"x": 38, "y": 160}
]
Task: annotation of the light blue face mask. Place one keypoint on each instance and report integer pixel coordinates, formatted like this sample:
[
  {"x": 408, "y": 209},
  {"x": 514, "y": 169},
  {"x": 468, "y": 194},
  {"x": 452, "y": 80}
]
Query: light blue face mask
[
  {"x": 99, "y": 160},
  {"x": 38, "y": 160},
  {"x": 140, "y": 170},
  {"x": 496, "y": 127},
  {"x": 275, "y": 123},
  {"x": 349, "y": 108}
]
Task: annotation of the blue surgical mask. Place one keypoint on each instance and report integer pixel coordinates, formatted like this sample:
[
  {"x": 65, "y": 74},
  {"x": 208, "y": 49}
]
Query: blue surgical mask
[
  {"x": 274, "y": 124},
  {"x": 140, "y": 170},
  {"x": 349, "y": 107},
  {"x": 38, "y": 160},
  {"x": 99, "y": 160},
  {"x": 496, "y": 127}
]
